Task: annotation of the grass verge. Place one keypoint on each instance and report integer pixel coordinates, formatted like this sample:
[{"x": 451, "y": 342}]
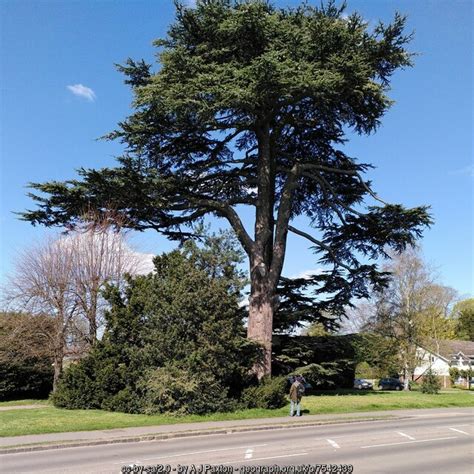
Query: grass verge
[{"x": 54, "y": 420}]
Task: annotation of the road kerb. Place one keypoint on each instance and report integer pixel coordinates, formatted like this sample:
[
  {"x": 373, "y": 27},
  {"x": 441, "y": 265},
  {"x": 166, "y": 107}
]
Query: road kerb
[{"x": 187, "y": 434}]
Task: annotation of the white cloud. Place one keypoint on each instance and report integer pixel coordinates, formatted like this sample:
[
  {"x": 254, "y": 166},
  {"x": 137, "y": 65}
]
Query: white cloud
[
  {"x": 145, "y": 263},
  {"x": 83, "y": 91},
  {"x": 307, "y": 274}
]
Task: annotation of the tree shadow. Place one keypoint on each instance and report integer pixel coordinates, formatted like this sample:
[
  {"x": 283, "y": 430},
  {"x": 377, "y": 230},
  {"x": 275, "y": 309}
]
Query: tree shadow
[{"x": 347, "y": 391}]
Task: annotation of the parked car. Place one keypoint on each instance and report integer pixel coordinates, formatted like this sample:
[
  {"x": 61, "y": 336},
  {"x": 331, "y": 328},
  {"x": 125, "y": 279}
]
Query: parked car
[
  {"x": 362, "y": 384},
  {"x": 390, "y": 384}
]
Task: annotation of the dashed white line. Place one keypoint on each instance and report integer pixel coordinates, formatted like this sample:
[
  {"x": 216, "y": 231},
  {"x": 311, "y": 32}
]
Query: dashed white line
[
  {"x": 459, "y": 431},
  {"x": 333, "y": 443},
  {"x": 249, "y": 454},
  {"x": 200, "y": 452},
  {"x": 264, "y": 459},
  {"x": 405, "y": 435},
  {"x": 436, "y": 415},
  {"x": 409, "y": 442}
]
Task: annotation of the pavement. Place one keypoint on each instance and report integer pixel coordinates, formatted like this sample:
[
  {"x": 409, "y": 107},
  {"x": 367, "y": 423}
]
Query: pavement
[
  {"x": 22, "y": 407},
  {"x": 181, "y": 430}
]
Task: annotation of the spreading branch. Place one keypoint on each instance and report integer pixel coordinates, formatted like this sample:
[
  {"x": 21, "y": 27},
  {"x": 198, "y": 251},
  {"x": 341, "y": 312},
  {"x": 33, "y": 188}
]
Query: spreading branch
[{"x": 322, "y": 245}]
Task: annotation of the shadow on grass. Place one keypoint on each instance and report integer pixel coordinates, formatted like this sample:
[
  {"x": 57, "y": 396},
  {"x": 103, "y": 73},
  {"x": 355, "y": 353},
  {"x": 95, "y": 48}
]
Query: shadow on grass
[{"x": 346, "y": 391}]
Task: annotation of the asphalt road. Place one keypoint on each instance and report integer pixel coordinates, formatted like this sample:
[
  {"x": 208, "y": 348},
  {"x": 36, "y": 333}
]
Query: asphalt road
[{"x": 441, "y": 442}]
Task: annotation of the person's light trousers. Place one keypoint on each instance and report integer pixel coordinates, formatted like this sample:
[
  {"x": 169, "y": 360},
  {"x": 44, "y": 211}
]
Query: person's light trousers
[{"x": 295, "y": 406}]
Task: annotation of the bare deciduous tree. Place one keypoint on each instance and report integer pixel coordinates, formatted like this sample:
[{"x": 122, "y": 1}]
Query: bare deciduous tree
[
  {"x": 101, "y": 256},
  {"x": 41, "y": 284},
  {"x": 24, "y": 336},
  {"x": 64, "y": 278}
]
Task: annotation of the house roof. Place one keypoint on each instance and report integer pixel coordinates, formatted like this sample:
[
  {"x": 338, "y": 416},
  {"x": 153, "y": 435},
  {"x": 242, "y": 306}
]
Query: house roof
[{"x": 449, "y": 348}]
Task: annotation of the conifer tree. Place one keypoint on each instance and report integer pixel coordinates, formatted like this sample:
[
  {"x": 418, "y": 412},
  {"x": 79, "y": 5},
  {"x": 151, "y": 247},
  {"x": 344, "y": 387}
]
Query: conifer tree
[{"x": 250, "y": 106}]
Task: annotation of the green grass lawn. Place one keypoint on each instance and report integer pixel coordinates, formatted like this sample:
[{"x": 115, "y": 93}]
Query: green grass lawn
[{"x": 54, "y": 420}]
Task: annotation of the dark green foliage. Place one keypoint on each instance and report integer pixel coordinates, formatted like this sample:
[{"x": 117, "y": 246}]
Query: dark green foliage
[
  {"x": 269, "y": 393},
  {"x": 250, "y": 106},
  {"x": 328, "y": 375},
  {"x": 174, "y": 342},
  {"x": 32, "y": 378},
  {"x": 379, "y": 352},
  {"x": 218, "y": 255},
  {"x": 126, "y": 401},
  {"x": 298, "y": 305},
  {"x": 26, "y": 369},
  {"x": 78, "y": 386},
  {"x": 331, "y": 361},
  {"x": 430, "y": 383},
  {"x": 325, "y": 362},
  {"x": 179, "y": 391}
]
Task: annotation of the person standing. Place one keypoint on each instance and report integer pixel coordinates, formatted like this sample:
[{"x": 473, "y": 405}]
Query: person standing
[{"x": 296, "y": 393}]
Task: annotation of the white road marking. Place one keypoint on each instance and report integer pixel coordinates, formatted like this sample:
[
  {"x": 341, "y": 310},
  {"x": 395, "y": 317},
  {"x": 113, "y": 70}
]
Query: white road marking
[
  {"x": 264, "y": 459},
  {"x": 459, "y": 431},
  {"x": 249, "y": 454},
  {"x": 436, "y": 415},
  {"x": 335, "y": 437},
  {"x": 408, "y": 442},
  {"x": 199, "y": 452},
  {"x": 333, "y": 443},
  {"x": 406, "y": 436}
]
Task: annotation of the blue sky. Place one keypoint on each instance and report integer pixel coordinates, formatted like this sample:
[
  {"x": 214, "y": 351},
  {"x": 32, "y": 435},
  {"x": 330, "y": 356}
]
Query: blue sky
[{"x": 60, "y": 92}]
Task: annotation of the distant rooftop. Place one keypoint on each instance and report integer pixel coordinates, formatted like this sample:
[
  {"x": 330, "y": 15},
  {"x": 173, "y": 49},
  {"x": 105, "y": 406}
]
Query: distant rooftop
[{"x": 449, "y": 348}]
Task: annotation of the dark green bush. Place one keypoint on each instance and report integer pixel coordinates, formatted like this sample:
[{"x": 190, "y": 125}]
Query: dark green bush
[
  {"x": 430, "y": 383},
  {"x": 322, "y": 376},
  {"x": 270, "y": 393},
  {"x": 26, "y": 369},
  {"x": 172, "y": 389},
  {"x": 178, "y": 314},
  {"x": 31, "y": 378},
  {"x": 328, "y": 361},
  {"x": 77, "y": 387},
  {"x": 126, "y": 401}
]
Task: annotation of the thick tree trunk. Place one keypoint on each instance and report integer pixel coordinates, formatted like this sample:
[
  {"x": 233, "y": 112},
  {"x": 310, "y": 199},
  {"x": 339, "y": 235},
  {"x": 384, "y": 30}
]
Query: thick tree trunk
[
  {"x": 261, "y": 305},
  {"x": 260, "y": 324}
]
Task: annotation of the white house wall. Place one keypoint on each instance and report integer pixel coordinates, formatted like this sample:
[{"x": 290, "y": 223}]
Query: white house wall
[{"x": 438, "y": 366}]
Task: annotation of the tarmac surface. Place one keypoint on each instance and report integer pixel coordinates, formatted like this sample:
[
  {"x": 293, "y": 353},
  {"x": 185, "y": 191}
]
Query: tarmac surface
[{"x": 418, "y": 441}]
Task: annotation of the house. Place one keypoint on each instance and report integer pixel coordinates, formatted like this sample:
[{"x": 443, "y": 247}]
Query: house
[{"x": 442, "y": 356}]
